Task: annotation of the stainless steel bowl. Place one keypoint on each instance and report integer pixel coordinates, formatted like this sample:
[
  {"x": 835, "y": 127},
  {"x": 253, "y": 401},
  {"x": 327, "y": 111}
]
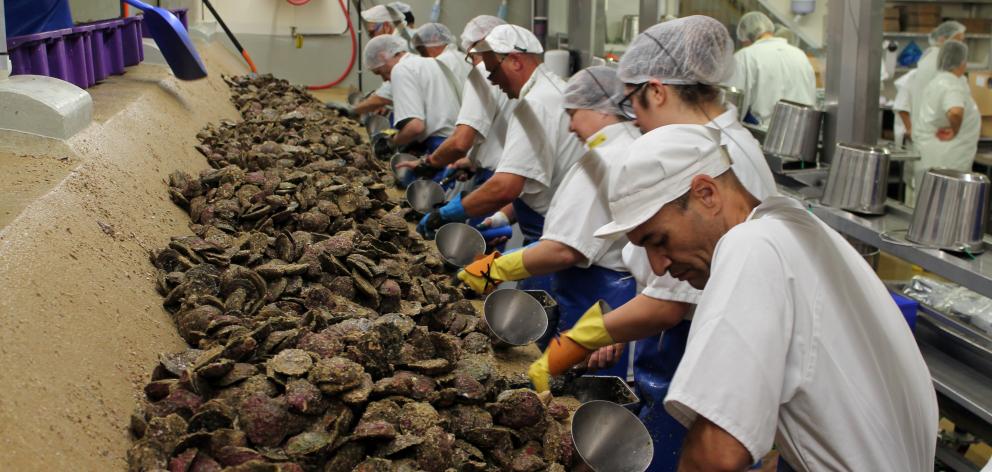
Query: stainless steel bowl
[
  {"x": 354, "y": 97},
  {"x": 424, "y": 195},
  {"x": 376, "y": 123},
  {"x": 514, "y": 316},
  {"x": 609, "y": 438},
  {"x": 859, "y": 178},
  {"x": 794, "y": 131},
  {"x": 402, "y": 175},
  {"x": 732, "y": 96},
  {"x": 459, "y": 244},
  {"x": 952, "y": 209}
]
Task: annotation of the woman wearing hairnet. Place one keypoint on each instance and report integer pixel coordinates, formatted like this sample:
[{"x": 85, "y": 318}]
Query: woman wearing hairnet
[
  {"x": 926, "y": 67},
  {"x": 947, "y": 124},
  {"x": 671, "y": 72},
  {"x": 769, "y": 69},
  {"x": 586, "y": 269}
]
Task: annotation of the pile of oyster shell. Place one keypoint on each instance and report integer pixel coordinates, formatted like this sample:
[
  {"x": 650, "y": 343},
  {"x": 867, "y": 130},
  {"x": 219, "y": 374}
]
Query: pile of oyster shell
[{"x": 324, "y": 334}]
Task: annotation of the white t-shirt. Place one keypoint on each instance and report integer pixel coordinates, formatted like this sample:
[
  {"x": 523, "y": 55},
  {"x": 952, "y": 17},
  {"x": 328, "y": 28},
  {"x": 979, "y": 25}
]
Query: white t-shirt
[
  {"x": 582, "y": 205},
  {"x": 455, "y": 62},
  {"x": 796, "y": 339},
  {"x": 771, "y": 70},
  {"x": 750, "y": 168},
  {"x": 421, "y": 90},
  {"x": 485, "y": 108},
  {"x": 539, "y": 145},
  {"x": 926, "y": 69},
  {"x": 944, "y": 92}
]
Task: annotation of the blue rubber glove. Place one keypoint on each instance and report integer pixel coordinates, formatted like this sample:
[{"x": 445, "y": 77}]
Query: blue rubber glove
[{"x": 451, "y": 212}]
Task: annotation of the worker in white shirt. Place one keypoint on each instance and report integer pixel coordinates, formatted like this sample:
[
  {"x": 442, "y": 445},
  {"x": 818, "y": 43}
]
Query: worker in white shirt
[
  {"x": 480, "y": 130},
  {"x": 427, "y": 93},
  {"x": 671, "y": 71},
  {"x": 382, "y": 54},
  {"x": 586, "y": 269},
  {"x": 948, "y": 124},
  {"x": 795, "y": 340},
  {"x": 382, "y": 20},
  {"x": 406, "y": 11},
  {"x": 769, "y": 69},
  {"x": 926, "y": 68}
]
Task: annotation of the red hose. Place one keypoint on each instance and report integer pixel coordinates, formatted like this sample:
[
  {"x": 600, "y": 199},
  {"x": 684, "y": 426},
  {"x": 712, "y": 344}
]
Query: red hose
[{"x": 351, "y": 62}]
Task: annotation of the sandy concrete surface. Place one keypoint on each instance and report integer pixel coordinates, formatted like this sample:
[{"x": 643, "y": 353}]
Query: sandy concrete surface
[{"x": 80, "y": 323}]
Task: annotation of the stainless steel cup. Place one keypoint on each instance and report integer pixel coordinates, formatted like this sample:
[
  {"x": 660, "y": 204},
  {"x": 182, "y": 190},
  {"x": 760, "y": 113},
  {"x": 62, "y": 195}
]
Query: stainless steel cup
[
  {"x": 514, "y": 316},
  {"x": 459, "y": 244},
  {"x": 424, "y": 195},
  {"x": 952, "y": 209},
  {"x": 794, "y": 131},
  {"x": 859, "y": 178},
  {"x": 609, "y": 438}
]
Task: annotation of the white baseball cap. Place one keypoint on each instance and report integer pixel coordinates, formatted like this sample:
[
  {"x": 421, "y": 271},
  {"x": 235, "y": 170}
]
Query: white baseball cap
[
  {"x": 660, "y": 169},
  {"x": 380, "y": 14},
  {"x": 505, "y": 39}
]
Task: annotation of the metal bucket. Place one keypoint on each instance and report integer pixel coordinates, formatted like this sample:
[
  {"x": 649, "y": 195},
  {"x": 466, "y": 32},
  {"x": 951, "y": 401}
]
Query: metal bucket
[
  {"x": 732, "y": 96},
  {"x": 424, "y": 195},
  {"x": 952, "y": 209},
  {"x": 794, "y": 131},
  {"x": 870, "y": 253},
  {"x": 629, "y": 28},
  {"x": 611, "y": 388},
  {"x": 609, "y": 438},
  {"x": 375, "y": 124},
  {"x": 859, "y": 179},
  {"x": 515, "y": 317},
  {"x": 459, "y": 244}
]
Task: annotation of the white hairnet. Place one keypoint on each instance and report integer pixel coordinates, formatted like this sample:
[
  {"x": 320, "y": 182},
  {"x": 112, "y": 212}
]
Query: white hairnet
[
  {"x": 945, "y": 31},
  {"x": 952, "y": 54},
  {"x": 381, "y": 48},
  {"x": 432, "y": 34},
  {"x": 595, "y": 88},
  {"x": 478, "y": 28},
  {"x": 508, "y": 39},
  {"x": 400, "y": 7},
  {"x": 753, "y": 25},
  {"x": 787, "y": 34},
  {"x": 691, "y": 50},
  {"x": 380, "y": 14}
]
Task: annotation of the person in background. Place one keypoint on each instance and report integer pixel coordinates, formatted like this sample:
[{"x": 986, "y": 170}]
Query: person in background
[
  {"x": 477, "y": 143},
  {"x": 926, "y": 69},
  {"x": 670, "y": 73},
  {"x": 948, "y": 124},
  {"x": 586, "y": 268},
  {"x": 801, "y": 348},
  {"x": 382, "y": 20},
  {"x": 406, "y": 11},
  {"x": 769, "y": 70},
  {"x": 381, "y": 54},
  {"x": 427, "y": 91},
  {"x": 434, "y": 40}
]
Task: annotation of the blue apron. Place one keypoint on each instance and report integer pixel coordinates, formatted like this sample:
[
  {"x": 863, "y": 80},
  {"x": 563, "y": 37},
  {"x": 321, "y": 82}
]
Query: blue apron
[
  {"x": 578, "y": 289},
  {"x": 655, "y": 361},
  {"x": 532, "y": 225}
]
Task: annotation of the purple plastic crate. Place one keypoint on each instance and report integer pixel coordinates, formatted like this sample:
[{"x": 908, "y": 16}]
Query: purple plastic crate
[
  {"x": 86, "y": 32},
  {"x": 181, "y": 13},
  {"x": 58, "y": 60},
  {"x": 29, "y": 53},
  {"x": 131, "y": 40},
  {"x": 80, "y": 56}
]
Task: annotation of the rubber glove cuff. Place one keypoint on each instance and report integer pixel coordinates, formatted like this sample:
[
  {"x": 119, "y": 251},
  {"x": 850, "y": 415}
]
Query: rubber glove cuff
[
  {"x": 509, "y": 267},
  {"x": 453, "y": 211},
  {"x": 590, "y": 330},
  {"x": 540, "y": 374}
]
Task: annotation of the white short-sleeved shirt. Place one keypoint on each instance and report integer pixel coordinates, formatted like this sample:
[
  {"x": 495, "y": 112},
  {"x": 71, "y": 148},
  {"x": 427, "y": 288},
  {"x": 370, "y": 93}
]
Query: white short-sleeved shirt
[
  {"x": 750, "y": 168},
  {"x": 582, "y": 205},
  {"x": 796, "y": 340},
  {"x": 926, "y": 69},
  {"x": 455, "y": 62},
  {"x": 944, "y": 92},
  {"x": 421, "y": 90},
  {"x": 486, "y": 109},
  {"x": 539, "y": 145},
  {"x": 771, "y": 70}
]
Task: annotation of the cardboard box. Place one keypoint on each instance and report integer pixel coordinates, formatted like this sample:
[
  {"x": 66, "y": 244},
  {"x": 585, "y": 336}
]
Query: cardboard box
[
  {"x": 921, "y": 20},
  {"x": 976, "y": 25},
  {"x": 987, "y": 126},
  {"x": 891, "y": 25},
  {"x": 892, "y": 13},
  {"x": 981, "y": 90},
  {"x": 922, "y": 8}
]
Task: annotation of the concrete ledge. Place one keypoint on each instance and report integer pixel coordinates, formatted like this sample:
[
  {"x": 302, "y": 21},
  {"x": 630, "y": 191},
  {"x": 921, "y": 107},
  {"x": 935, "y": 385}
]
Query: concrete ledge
[{"x": 44, "y": 106}]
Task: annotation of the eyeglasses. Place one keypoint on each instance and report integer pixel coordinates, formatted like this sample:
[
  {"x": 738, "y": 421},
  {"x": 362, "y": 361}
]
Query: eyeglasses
[
  {"x": 626, "y": 105},
  {"x": 468, "y": 53}
]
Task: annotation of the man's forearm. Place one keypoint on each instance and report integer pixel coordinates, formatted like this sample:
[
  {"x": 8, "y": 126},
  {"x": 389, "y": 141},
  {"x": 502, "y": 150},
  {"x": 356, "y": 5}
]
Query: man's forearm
[
  {"x": 955, "y": 116},
  {"x": 410, "y": 132},
  {"x": 498, "y": 191},
  {"x": 373, "y": 103},
  {"x": 455, "y": 147},
  {"x": 549, "y": 256},
  {"x": 642, "y": 317}
]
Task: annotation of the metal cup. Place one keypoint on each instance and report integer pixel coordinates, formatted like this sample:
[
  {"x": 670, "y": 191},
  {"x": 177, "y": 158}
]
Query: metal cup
[
  {"x": 608, "y": 437},
  {"x": 515, "y": 317},
  {"x": 459, "y": 244},
  {"x": 794, "y": 131},
  {"x": 403, "y": 176},
  {"x": 376, "y": 123},
  {"x": 859, "y": 178},
  {"x": 952, "y": 209},
  {"x": 424, "y": 195}
]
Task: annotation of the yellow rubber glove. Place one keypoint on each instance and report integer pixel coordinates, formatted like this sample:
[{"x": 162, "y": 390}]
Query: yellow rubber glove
[
  {"x": 540, "y": 373},
  {"x": 590, "y": 331},
  {"x": 498, "y": 268}
]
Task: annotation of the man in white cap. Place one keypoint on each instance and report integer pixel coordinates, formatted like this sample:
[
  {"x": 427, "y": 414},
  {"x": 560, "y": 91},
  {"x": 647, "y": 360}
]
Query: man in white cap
[
  {"x": 383, "y": 20},
  {"x": 769, "y": 69},
  {"x": 482, "y": 120},
  {"x": 795, "y": 340},
  {"x": 539, "y": 147},
  {"x": 382, "y": 54}
]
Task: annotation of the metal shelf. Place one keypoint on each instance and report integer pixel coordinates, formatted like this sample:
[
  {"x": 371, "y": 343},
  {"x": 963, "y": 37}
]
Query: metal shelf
[{"x": 910, "y": 34}]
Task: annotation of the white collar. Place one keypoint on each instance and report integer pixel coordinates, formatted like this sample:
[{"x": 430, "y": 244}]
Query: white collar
[
  {"x": 607, "y": 133},
  {"x": 532, "y": 81},
  {"x": 774, "y": 203}
]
